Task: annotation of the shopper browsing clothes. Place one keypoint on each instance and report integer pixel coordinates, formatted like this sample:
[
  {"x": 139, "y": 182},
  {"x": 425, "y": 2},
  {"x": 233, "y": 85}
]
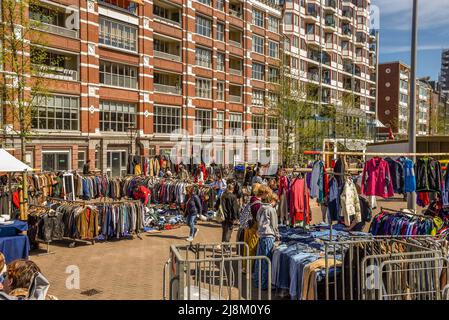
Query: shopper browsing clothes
[
  {"x": 193, "y": 210},
  {"x": 268, "y": 233},
  {"x": 24, "y": 281},
  {"x": 230, "y": 206}
]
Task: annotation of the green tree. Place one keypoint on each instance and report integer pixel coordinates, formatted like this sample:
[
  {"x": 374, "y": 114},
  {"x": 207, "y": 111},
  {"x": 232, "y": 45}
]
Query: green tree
[{"x": 24, "y": 61}]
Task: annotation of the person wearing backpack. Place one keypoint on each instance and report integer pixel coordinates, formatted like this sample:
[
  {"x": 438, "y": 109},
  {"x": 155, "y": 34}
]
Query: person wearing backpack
[
  {"x": 193, "y": 210},
  {"x": 249, "y": 224}
]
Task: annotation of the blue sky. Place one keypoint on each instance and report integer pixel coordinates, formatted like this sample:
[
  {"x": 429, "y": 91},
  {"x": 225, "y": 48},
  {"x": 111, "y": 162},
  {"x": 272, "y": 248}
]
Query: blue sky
[{"x": 395, "y": 32}]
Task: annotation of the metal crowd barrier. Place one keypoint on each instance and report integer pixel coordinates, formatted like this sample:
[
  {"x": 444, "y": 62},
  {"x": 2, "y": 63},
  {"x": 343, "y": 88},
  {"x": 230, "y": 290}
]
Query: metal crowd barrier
[
  {"x": 386, "y": 268},
  {"x": 216, "y": 271}
]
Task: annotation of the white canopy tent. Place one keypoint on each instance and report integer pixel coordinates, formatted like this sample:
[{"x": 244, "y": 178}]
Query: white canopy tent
[{"x": 8, "y": 163}]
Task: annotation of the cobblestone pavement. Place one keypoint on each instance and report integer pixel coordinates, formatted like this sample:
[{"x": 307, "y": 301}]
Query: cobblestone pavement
[{"x": 127, "y": 269}]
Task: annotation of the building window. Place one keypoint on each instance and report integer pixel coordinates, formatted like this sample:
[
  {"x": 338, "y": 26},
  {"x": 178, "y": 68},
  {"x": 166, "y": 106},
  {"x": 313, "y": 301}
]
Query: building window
[
  {"x": 117, "y": 34},
  {"x": 220, "y": 31},
  {"x": 206, "y": 2},
  {"x": 258, "y": 43},
  {"x": 55, "y": 161},
  {"x": 118, "y": 75},
  {"x": 295, "y": 63},
  {"x": 258, "y": 18},
  {"x": 117, "y": 116},
  {"x": 203, "y": 121},
  {"x": 258, "y": 71},
  {"x": 220, "y": 90},
  {"x": 258, "y": 98},
  {"x": 272, "y": 127},
  {"x": 203, "y": 57},
  {"x": 220, "y": 123},
  {"x": 235, "y": 124},
  {"x": 203, "y": 26},
  {"x": 273, "y": 74},
  {"x": 81, "y": 159},
  {"x": 273, "y": 24},
  {"x": 296, "y": 41},
  {"x": 166, "y": 119},
  {"x": 288, "y": 19},
  {"x": 273, "y": 99},
  {"x": 257, "y": 125},
  {"x": 404, "y": 98},
  {"x": 56, "y": 113},
  {"x": 273, "y": 49},
  {"x": 220, "y": 61},
  {"x": 220, "y": 5},
  {"x": 203, "y": 88}
]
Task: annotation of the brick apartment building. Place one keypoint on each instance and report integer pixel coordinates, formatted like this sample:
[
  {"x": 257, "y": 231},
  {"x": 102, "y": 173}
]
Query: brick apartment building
[
  {"x": 394, "y": 100},
  {"x": 134, "y": 71},
  {"x": 331, "y": 46}
]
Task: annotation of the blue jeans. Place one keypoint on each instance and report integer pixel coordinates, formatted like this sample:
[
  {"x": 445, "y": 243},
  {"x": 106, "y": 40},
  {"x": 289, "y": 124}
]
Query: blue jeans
[
  {"x": 191, "y": 219},
  {"x": 263, "y": 249}
]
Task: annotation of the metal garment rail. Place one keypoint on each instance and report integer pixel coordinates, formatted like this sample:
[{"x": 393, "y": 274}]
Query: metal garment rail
[
  {"x": 377, "y": 154},
  {"x": 214, "y": 272},
  {"x": 358, "y": 268}
]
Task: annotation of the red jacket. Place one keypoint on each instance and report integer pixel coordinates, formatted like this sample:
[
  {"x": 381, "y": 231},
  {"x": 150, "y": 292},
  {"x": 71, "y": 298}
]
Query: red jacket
[
  {"x": 299, "y": 201},
  {"x": 376, "y": 179}
]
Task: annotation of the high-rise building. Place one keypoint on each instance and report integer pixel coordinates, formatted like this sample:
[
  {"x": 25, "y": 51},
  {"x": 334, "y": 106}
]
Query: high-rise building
[
  {"x": 132, "y": 72},
  {"x": 444, "y": 75},
  {"x": 330, "y": 45},
  {"x": 394, "y": 100}
]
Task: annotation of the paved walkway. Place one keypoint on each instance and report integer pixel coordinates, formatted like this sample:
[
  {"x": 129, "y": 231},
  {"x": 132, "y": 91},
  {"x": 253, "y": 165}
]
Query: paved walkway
[{"x": 126, "y": 269}]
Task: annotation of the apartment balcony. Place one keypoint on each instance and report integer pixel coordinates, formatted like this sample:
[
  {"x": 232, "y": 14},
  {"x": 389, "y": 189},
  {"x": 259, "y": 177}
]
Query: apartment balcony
[
  {"x": 314, "y": 76},
  {"x": 167, "y": 49},
  {"x": 331, "y": 46},
  {"x": 165, "y": 88},
  {"x": 346, "y": 33},
  {"x": 359, "y": 58},
  {"x": 315, "y": 56},
  {"x": 235, "y": 37},
  {"x": 403, "y": 75},
  {"x": 326, "y": 80},
  {"x": 360, "y": 39},
  {"x": 311, "y": 14},
  {"x": 235, "y": 93},
  {"x": 167, "y": 13},
  {"x": 235, "y": 72},
  {"x": 330, "y": 5},
  {"x": 346, "y": 15},
  {"x": 235, "y": 99},
  {"x": 236, "y": 9},
  {"x": 330, "y": 24},
  {"x": 372, "y": 48},
  {"x": 346, "y": 53},
  {"x": 313, "y": 40},
  {"x": 55, "y": 29},
  {"x": 121, "y": 5},
  {"x": 54, "y": 72},
  {"x": 167, "y": 83},
  {"x": 167, "y": 56}
]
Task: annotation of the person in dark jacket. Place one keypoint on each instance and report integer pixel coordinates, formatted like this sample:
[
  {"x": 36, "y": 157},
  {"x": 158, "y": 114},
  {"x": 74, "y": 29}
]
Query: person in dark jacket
[
  {"x": 86, "y": 167},
  {"x": 231, "y": 210},
  {"x": 193, "y": 210}
]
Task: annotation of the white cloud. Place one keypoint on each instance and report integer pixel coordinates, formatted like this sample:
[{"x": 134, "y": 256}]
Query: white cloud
[{"x": 396, "y": 14}]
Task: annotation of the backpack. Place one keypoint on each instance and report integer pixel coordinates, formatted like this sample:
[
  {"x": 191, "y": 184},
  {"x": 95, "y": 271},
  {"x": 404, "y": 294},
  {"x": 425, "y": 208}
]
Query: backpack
[{"x": 245, "y": 215}]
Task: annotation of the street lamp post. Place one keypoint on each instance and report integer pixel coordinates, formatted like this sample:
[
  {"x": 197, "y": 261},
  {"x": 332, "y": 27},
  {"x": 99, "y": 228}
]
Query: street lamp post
[
  {"x": 412, "y": 118},
  {"x": 131, "y": 138}
]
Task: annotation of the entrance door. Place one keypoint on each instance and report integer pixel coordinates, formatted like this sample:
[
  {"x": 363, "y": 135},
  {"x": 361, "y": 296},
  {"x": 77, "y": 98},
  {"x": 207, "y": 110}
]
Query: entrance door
[{"x": 116, "y": 163}]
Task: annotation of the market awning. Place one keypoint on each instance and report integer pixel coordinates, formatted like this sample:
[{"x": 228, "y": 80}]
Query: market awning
[{"x": 9, "y": 163}]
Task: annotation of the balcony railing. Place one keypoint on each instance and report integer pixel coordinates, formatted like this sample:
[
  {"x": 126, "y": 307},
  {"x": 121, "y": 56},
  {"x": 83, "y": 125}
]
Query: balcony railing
[
  {"x": 330, "y": 23},
  {"x": 313, "y": 76},
  {"x": 347, "y": 14},
  {"x": 56, "y": 29},
  {"x": 167, "y": 88},
  {"x": 168, "y": 56},
  {"x": 234, "y": 98},
  {"x": 331, "y": 3},
  {"x": 132, "y": 6},
  {"x": 235, "y": 43},
  {"x": 55, "y": 72},
  {"x": 168, "y": 21},
  {"x": 235, "y": 72},
  {"x": 235, "y": 13}
]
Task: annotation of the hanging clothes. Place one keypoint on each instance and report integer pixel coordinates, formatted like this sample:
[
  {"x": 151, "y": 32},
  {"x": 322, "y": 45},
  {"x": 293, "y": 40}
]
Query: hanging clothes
[
  {"x": 317, "y": 181},
  {"x": 428, "y": 175},
  {"x": 409, "y": 174},
  {"x": 299, "y": 201},
  {"x": 283, "y": 200},
  {"x": 397, "y": 174},
  {"x": 350, "y": 205},
  {"x": 376, "y": 179},
  {"x": 333, "y": 203}
]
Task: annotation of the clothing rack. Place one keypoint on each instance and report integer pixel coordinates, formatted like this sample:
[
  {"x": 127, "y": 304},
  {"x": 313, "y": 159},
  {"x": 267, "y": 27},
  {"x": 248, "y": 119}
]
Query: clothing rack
[
  {"x": 387, "y": 210},
  {"x": 376, "y": 154},
  {"x": 95, "y": 201}
]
